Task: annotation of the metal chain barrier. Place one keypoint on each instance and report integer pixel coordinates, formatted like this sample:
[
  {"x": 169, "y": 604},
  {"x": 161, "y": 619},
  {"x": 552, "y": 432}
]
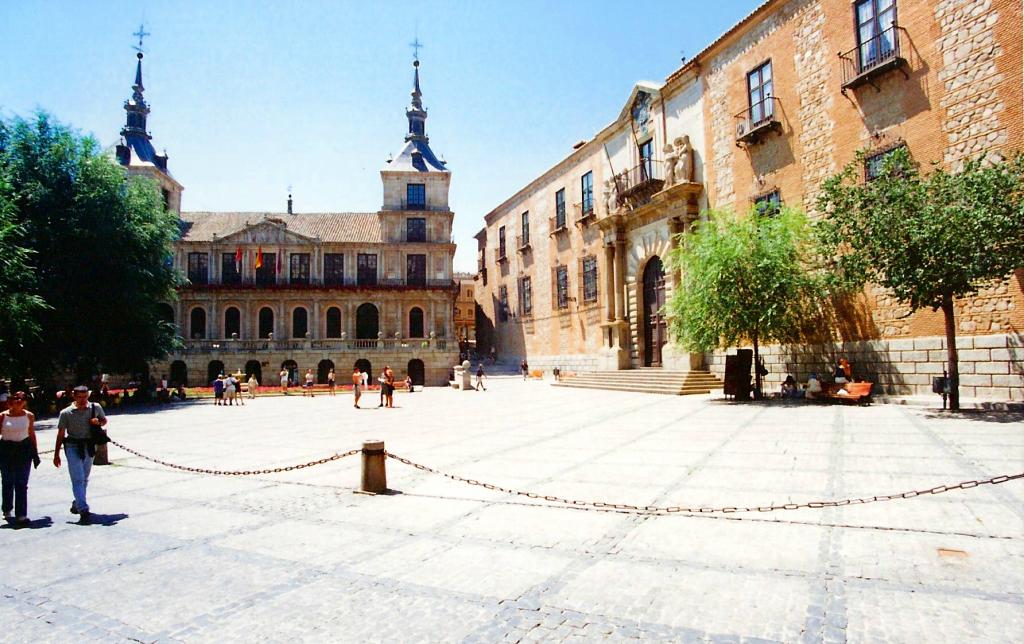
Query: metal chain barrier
[
  {"x": 653, "y": 509},
  {"x": 203, "y": 470}
]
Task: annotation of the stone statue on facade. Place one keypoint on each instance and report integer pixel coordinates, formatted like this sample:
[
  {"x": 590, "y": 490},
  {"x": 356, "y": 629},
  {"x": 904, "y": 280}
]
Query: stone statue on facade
[
  {"x": 611, "y": 196},
  {"x": 671, "y": 160},
  {"x": 684, "y": 161}
]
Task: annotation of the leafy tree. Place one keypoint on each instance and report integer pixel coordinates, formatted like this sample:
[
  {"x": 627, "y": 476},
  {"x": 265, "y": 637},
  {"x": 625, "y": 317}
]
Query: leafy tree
[
  {"x": 98, "y": 252},
  {"x": 929, "y": 239},
  {"x": 744, "y": 278}
]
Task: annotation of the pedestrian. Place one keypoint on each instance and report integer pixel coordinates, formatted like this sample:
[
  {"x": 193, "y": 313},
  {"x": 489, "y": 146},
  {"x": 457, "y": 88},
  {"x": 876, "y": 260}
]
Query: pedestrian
[
  {"x": 480, "y": 377},
  {"x": 494, "y": 355},
  {"x": 366, "y": 379},
  {"x": 218, "y": 390},
  {"x": 408, "y": 383},
  {"x": 284, "y": 381},
  {"x": 308, "y": 385},
  {"x": 389, "y": 386},
  {"x": 73, "y": 434},
  {"x": 525, "y": 368},
  {"x": 382, "y": 382},
  {"x": 236, "y": 378},
  {"x": 357, "y": 385},
  {"x": 230, "y": 387},
  {"x": 253, "y": 385},
  {"x": 330, "y": 381},
  {"x": 18, "y": 451}
]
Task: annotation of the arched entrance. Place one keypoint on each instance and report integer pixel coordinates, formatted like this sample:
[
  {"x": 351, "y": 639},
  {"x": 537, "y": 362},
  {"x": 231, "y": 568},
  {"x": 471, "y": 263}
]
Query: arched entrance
[
  {"x": 416, "y": 322},
  {"x": 214, "y": 369},
  {"x": 179, "y": 373},
  {"x": 253, "y": 368},
  {"x": 300, "y": 322},
  {"x": 197, "y": 324},
  {"x": 266, "y": 322},
  {"x": 416, "y": 372},
  {"x": 321, "y": 371},
  {"x": 363, "y": 364},
  {"x": 655, "y": 333},
  {"x": 293, "y": 371},
  {"x": 367, "y": 322},
  {"x": 334, "y": 322},
  {"x": 232, "y": 323}
]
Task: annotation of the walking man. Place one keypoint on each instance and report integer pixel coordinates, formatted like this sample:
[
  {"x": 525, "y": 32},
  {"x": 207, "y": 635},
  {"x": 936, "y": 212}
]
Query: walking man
[
  {"x": 357, "y": 385},
  {"x": 525, "y": 368},
  {"x": 73, "y": 435},
  {"x": 480, "y": 377}
]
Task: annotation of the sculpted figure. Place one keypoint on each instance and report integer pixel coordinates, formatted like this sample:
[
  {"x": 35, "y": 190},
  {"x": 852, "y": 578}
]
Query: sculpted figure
[
  {"x": 611, "y": 195},
  {"x": 671, "y": 159},
  {"x": 684, "y": 166}
]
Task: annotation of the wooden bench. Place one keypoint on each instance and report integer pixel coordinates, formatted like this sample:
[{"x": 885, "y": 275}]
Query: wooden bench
[{"x": 855, "y": 392}]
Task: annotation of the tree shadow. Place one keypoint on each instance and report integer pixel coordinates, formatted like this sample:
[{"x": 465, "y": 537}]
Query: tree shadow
[{"x": 998, "y": 416}]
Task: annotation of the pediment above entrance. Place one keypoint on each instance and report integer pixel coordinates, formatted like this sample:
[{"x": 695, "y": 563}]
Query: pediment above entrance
[{"x": 268, "y": 231}]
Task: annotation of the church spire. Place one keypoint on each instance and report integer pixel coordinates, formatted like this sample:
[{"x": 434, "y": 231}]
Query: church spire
[
  {"x": 136, "y": 145},
  {"x": 416, "y": 114},
  {"x": 136, "y": 106}
]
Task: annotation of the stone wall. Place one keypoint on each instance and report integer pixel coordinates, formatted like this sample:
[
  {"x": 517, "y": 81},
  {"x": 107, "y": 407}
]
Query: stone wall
[{"x": 991, "y": 366}]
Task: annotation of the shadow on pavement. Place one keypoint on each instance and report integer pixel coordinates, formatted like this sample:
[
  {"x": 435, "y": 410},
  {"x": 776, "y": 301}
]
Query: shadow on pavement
[
  {"x": 101, "y": 519},
  {"x": 33, "y": 524},
  {"x": 978, "y": 415}
]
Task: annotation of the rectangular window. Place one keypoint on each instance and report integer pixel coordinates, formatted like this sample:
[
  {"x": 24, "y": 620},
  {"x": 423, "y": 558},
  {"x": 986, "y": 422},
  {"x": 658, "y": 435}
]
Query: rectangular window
[
  {"x": 876, "y": 37},
  {"x": 560, "y": 209},
  {"x": 769, "y": 204},
  {"x": 229, "y": 273},
  {"x": 590, "y": 278},
  {"x": 267, "y": 273},
  {"x": 334, "y": 269},
  {"x": 525, "y": 227},
  {"x": 366, "y": 269},
  {"x": 416, "y": 196},
  {"x": 503, "y": 303},
  {"x": 525, "y": 297},
  {"x": 759, "y": 91},
  {"x": 562, "y": 286},
  {"x": 299, "y": 269},
  {"x": 874, "y": 163},
  {"x": 199, "y": 268},
  {"x": 646, "y": 151},
  {"x": 416, "y": 229},
  {"x": 416, "y": 270},
  {"x": 501, "y": 241},
  {"x": 587, "y": 189}
]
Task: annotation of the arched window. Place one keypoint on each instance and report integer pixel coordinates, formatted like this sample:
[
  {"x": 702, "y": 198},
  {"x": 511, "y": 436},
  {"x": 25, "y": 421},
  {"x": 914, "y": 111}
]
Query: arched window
[
  {"x": 334, "y": 322},
  {"x": 165, "y": 312},
  {"x": 197, "y": 324},
  {"x": 232, "y": 322},
  {"x": 300, "y": 322},
  {"x": 416, "y": 322},
  {"x": 214, "y": 369},
  {"x": 266, "y": 322},
  {"x": 322, "y": 368},
  {"x": 367, "y": 322}
]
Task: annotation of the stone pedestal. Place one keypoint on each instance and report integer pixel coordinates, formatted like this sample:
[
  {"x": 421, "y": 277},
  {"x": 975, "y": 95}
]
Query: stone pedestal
[{"x": 674, "y": 358}]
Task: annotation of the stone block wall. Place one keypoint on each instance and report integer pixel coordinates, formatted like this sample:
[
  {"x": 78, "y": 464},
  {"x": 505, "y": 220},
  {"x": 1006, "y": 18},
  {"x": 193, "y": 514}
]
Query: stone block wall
[{"x": 991, "y": 366}]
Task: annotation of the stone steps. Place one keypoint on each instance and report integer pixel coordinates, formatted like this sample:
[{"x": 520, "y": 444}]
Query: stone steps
[{"x": 648, "y": 380}]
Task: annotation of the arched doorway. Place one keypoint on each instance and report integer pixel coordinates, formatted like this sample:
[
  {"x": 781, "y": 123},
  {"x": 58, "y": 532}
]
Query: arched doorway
[
  {"x": 300, "y": 322},
  {"x": 232, "y": 322},
  {"x": 363, "y": 365},
  {"x": 179, "y": 373},
  {"x": 214, "y": 369},
  {"x": 334, "y": 322},
  {"x": 266, "y": 321},
  {"x": 416, "y": 322},
  {"x": 197, "y": 324},
  {"x": 253, "y": 368},
  {"x": 321, "y": 371},
  {"x": 416, "y": 372},
  {"x": 293, "y": 371},
  {"x": 367, "y": 322},
  {"x": 655, "y": 333},
  {"x": 165, "y": 312}
]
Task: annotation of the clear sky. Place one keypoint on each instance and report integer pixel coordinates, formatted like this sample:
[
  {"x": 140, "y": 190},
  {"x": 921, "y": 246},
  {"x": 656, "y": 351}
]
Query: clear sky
[{"x": 249, "y": 97}]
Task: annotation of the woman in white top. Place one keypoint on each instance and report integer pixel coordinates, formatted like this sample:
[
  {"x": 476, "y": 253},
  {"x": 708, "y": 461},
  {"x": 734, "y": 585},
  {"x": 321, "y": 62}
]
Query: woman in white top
[
  {"x": 17, "y": 452},
  {"x": 310, "y": 381},
  {"x": 284, "y": 380},
  {"x": 253, "y": 385}
]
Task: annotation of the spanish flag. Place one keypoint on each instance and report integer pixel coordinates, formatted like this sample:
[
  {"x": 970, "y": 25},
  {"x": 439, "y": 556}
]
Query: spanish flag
[
  {"x": 259, "y": 257},
  {"x": 238, "y": 260}
]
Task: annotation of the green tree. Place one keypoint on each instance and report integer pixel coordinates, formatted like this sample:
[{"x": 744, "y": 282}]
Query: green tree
[
  {"x": 744, "y": 278},
  {"x": 98, "y": 251},
  {"x": 929, "y": 239}
]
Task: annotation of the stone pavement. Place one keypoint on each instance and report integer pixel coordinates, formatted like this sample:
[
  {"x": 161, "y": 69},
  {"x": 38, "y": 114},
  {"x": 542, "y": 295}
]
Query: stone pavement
[{"x": 298, "y": 556}]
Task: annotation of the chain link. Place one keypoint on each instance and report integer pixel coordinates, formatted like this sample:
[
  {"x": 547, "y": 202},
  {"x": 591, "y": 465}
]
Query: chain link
[
  {"x": 671, "y": 509},
  {"x": 203, "y": 470}
]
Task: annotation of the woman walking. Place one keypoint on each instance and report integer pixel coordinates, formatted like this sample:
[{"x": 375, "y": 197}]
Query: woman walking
[
  {"x": 17, "y": 453},
  {"x": 330, "y": 381},
  {"x": 357, "y": 386},
  {"x": 389, "y": 386},
  {"x": 284, "y": 381}
]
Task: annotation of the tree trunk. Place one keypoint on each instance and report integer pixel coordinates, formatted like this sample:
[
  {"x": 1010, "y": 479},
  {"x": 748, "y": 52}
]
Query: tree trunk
[
  {"x": 954, "y": 370},
  {"x": 757, "y": 371}
]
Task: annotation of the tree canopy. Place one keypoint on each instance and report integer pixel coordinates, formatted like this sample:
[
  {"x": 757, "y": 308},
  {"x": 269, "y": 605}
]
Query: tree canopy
[
  {"x": 927, "y": 238},
  {"x": 91, "y": 245},
  {"x": 744, "y": 278}
]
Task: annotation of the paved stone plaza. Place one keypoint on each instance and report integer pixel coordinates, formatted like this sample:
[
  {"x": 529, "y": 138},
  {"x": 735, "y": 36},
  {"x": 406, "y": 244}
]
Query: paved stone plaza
[{"x": 297, "y": 556}]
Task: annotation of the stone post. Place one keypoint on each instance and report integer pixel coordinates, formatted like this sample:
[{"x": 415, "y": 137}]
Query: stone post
[{"x": 374, "y": 478}]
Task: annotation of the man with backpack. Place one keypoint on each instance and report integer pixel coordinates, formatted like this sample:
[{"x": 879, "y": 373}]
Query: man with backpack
[{"x": 75, "y": 435}]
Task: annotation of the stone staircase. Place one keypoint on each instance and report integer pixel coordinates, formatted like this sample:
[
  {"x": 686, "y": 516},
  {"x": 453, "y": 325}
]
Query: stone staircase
[{"x": 649, "y": 380}]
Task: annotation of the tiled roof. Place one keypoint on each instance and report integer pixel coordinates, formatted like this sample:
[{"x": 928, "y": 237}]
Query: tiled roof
[{"x": 356, "y": 227}]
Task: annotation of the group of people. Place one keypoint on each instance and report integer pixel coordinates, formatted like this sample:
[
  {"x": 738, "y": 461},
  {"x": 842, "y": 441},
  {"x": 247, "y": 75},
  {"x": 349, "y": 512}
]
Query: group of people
[
  {"x": 386, "y": 380},
  {"x": 227, "y": 389},
  {"x": 841, "y": 375},
  {"x": 19, "y": 451}
]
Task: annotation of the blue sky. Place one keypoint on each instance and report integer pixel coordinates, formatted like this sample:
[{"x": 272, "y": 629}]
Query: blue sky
[{"x": 249, "y": 97}]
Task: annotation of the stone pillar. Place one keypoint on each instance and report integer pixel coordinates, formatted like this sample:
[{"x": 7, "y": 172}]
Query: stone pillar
[
  {"x": 398, "y": 318},
  {"x": 675, "y": 227},
  {"x": 213, "y": 330},
  {"x": 609, "y": 281},
  {"x": 314, "y": 324},
  {"x": 432, "y": 322},
  {"x": 620, "y": 276},
  {"x": 281, "y": 330}
]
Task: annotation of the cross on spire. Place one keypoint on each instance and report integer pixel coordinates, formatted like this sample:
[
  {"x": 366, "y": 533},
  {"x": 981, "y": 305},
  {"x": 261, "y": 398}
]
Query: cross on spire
[
  {"x": 141, "y": 33},
  {"x": 416, "y": 46}
]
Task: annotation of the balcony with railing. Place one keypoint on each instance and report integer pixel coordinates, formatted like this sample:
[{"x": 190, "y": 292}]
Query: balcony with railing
[
  {"x": 755, "y": 122},
  {"x": 499, "y": 254},
  {"x": 584, "y": 212},
  {"x": 556, "y": 224},
  {"x": 636, "y": 186},
  {"x": 414, "y": 206},
  {"x": 874, "y": 57},
  {"x": 339, "y": 345},
  {"x": 522, "y": 243},
  {"x": 346, "y": 282}
]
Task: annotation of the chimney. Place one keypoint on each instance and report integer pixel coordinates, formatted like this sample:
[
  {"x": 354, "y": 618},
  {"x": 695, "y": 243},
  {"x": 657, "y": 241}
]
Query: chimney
[{"x": 289, "y": 203}]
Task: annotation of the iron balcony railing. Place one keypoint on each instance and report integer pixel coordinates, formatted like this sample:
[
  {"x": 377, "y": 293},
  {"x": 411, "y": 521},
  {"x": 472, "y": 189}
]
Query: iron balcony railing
[
  {"x": 320, "y": 284},
  {"x": 757, "y": 120},
  {"x": 873, "y": 57},
  {"x": 522, "y": 242},
  {"x": 417, "y": 206},
  {"x": 499, "y": 254},
  {"x": 556, "y": 224},
  {"x": 328, "y": 344},
  {"x": 584, "y": 211}
]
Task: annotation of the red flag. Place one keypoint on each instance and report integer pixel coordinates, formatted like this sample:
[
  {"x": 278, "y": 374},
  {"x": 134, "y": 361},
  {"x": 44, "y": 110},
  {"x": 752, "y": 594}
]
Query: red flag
[
  {"x": 259, "y": 257},
  {"x": 278, "y": 268},
  {"x": 238, "y": 260}
]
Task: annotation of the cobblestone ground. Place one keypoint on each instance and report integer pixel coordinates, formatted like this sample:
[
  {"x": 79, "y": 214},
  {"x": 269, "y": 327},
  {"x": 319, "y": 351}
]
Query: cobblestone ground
[{"x": 177, "y": 556}]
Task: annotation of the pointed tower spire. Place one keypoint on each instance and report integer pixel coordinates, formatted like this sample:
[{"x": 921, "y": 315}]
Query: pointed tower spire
[
  {"x": 135, "y": 139},
  {"x": 416, "y": 114},
  {"x": 136, "y": 106}
]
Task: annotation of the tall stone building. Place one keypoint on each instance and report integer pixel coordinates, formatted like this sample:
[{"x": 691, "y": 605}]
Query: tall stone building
[
  {"x": 286, "y": 290},
  {"x": 572, "y": 263}
]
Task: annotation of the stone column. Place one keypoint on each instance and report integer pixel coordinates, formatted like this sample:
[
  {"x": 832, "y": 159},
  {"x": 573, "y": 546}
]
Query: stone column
[
  {"x": 314, "y": 324},
  {"x": 620, "y": 276},
  {"x": 432, "y": 322},
  {"x": 609, "y": 281},
  {"x": 675, "y": 226},
  {"x": 398, "y": 317},
  {"x": 213, "y": 321},
  {"x": 281, "y": 330}
]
